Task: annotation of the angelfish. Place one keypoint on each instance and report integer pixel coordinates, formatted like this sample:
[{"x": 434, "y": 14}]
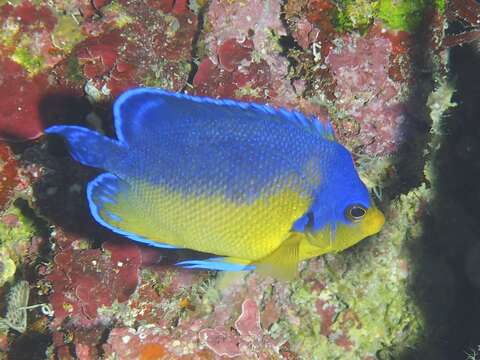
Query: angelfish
[{"x": 259, "y": 187}]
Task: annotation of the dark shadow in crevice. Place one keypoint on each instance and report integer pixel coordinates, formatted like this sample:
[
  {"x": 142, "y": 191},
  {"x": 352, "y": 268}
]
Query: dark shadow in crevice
[
  {"x": 28, "y": 346},
  {"x": 196, "y": 43},
  {"x": 446, "y": 281}
]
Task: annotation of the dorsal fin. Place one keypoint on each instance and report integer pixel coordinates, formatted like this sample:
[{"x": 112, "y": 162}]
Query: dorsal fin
[{"x": 147, "y": 108}]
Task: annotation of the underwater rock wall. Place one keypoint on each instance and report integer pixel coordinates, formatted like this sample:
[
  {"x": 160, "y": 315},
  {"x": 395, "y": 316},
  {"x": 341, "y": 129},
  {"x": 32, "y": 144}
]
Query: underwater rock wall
[{"x": 376, "y": 68}]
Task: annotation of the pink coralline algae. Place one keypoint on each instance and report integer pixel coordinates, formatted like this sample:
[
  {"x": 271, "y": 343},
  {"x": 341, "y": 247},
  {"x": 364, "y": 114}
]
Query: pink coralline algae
[
  {"x": 85, "y": 341},
  {"x": 248, "y": 324},
  {"x": 228, "y": 81},
  {"x": 103, "y": 66},
  {"x": 366, "y": 92},
  {"x": 19, "y": 110},
  {"x": 153, "y": 49},
  {"x": 98, "y": 55},
  {"x": 83, "y": 281},
  {"x": 257, "y": 19},
  {"x": 244, "y": 61},
  {"x": 37, "y": 102},
  {"x": 183, "y": 326},
  {"x": 247, "y": 337},
  {"x": 316, "y": 27},
  {"x": 144, "y": 344},
  {"x": 221, "y": 341},
  {"x": 171, "y": 333},
  {"x": 191, "y": 339},
  {"x": 176, "y": 7},
  {"x": 328, "y": 314}
]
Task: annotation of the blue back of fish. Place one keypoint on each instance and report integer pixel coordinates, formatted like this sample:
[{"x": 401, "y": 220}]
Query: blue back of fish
[{"x": 183, "y": 143}]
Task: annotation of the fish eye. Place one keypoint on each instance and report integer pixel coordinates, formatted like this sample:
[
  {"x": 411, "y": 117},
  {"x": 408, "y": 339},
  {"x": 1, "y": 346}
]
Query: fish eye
[{"x": 355, "y": 212}]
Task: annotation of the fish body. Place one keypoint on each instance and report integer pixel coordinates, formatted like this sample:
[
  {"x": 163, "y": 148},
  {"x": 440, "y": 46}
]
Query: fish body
[{"x": 258, "y": 186}]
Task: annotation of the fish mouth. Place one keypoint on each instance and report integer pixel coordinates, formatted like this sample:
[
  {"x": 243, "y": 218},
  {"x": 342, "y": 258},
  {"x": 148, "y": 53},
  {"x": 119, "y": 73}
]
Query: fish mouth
[{"x": 374, "y": 221}]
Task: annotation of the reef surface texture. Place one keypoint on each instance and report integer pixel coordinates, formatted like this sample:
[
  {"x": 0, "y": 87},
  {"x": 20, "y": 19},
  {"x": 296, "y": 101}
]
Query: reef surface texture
[{"x": 377, "y": 68}]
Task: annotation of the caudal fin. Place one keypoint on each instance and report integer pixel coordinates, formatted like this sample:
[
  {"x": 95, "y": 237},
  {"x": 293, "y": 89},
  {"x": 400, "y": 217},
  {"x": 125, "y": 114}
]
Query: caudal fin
[{"x": 89, "y": 147}]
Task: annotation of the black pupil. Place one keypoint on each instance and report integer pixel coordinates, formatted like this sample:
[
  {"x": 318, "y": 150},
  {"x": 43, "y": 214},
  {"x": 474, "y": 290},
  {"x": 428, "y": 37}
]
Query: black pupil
[{"x": 357, "y": 212}]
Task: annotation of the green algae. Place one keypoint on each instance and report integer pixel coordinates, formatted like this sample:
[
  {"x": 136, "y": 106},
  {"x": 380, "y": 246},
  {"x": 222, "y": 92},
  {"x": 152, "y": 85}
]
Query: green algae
[
  {"x": 405, "y": 15},
  {"x": 10, "y": 2},
  {"x": 13, "y": 241},
  {"x": 441, "y": 5},
  {"x": 66, "y": 34},
  {"x": 165, "y": 74},
  {"x": 356, "y": 14},
  {"x": 8, "y": 268},
  {"x": 64, "y": 37},
  {"x": 248, "y": 90},
  {"x": 19, "y": 2},
  {"x": 33, "y": 64},
  {"x": 120, "y": 15}
]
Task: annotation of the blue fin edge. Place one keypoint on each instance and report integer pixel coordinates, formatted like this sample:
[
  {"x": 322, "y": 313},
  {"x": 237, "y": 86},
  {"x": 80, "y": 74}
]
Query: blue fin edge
[
  {"x": 314, "y": 124},
  {"x": 95, "y": 213},
  {"x": 54, "y": 129},
  {"x": 214, "y": 264}
]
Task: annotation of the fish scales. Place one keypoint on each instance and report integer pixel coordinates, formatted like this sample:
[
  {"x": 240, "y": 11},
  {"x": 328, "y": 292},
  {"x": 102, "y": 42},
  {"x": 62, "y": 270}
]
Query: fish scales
[{"x": 261, "y": 187}]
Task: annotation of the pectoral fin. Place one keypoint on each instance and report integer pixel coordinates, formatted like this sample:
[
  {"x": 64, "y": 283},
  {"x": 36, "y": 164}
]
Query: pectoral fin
[{"x": 282, "y": 264}]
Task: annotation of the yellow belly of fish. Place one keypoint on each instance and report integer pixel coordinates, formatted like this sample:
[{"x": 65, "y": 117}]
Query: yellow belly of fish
[{"x": 210, "y": 223}]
